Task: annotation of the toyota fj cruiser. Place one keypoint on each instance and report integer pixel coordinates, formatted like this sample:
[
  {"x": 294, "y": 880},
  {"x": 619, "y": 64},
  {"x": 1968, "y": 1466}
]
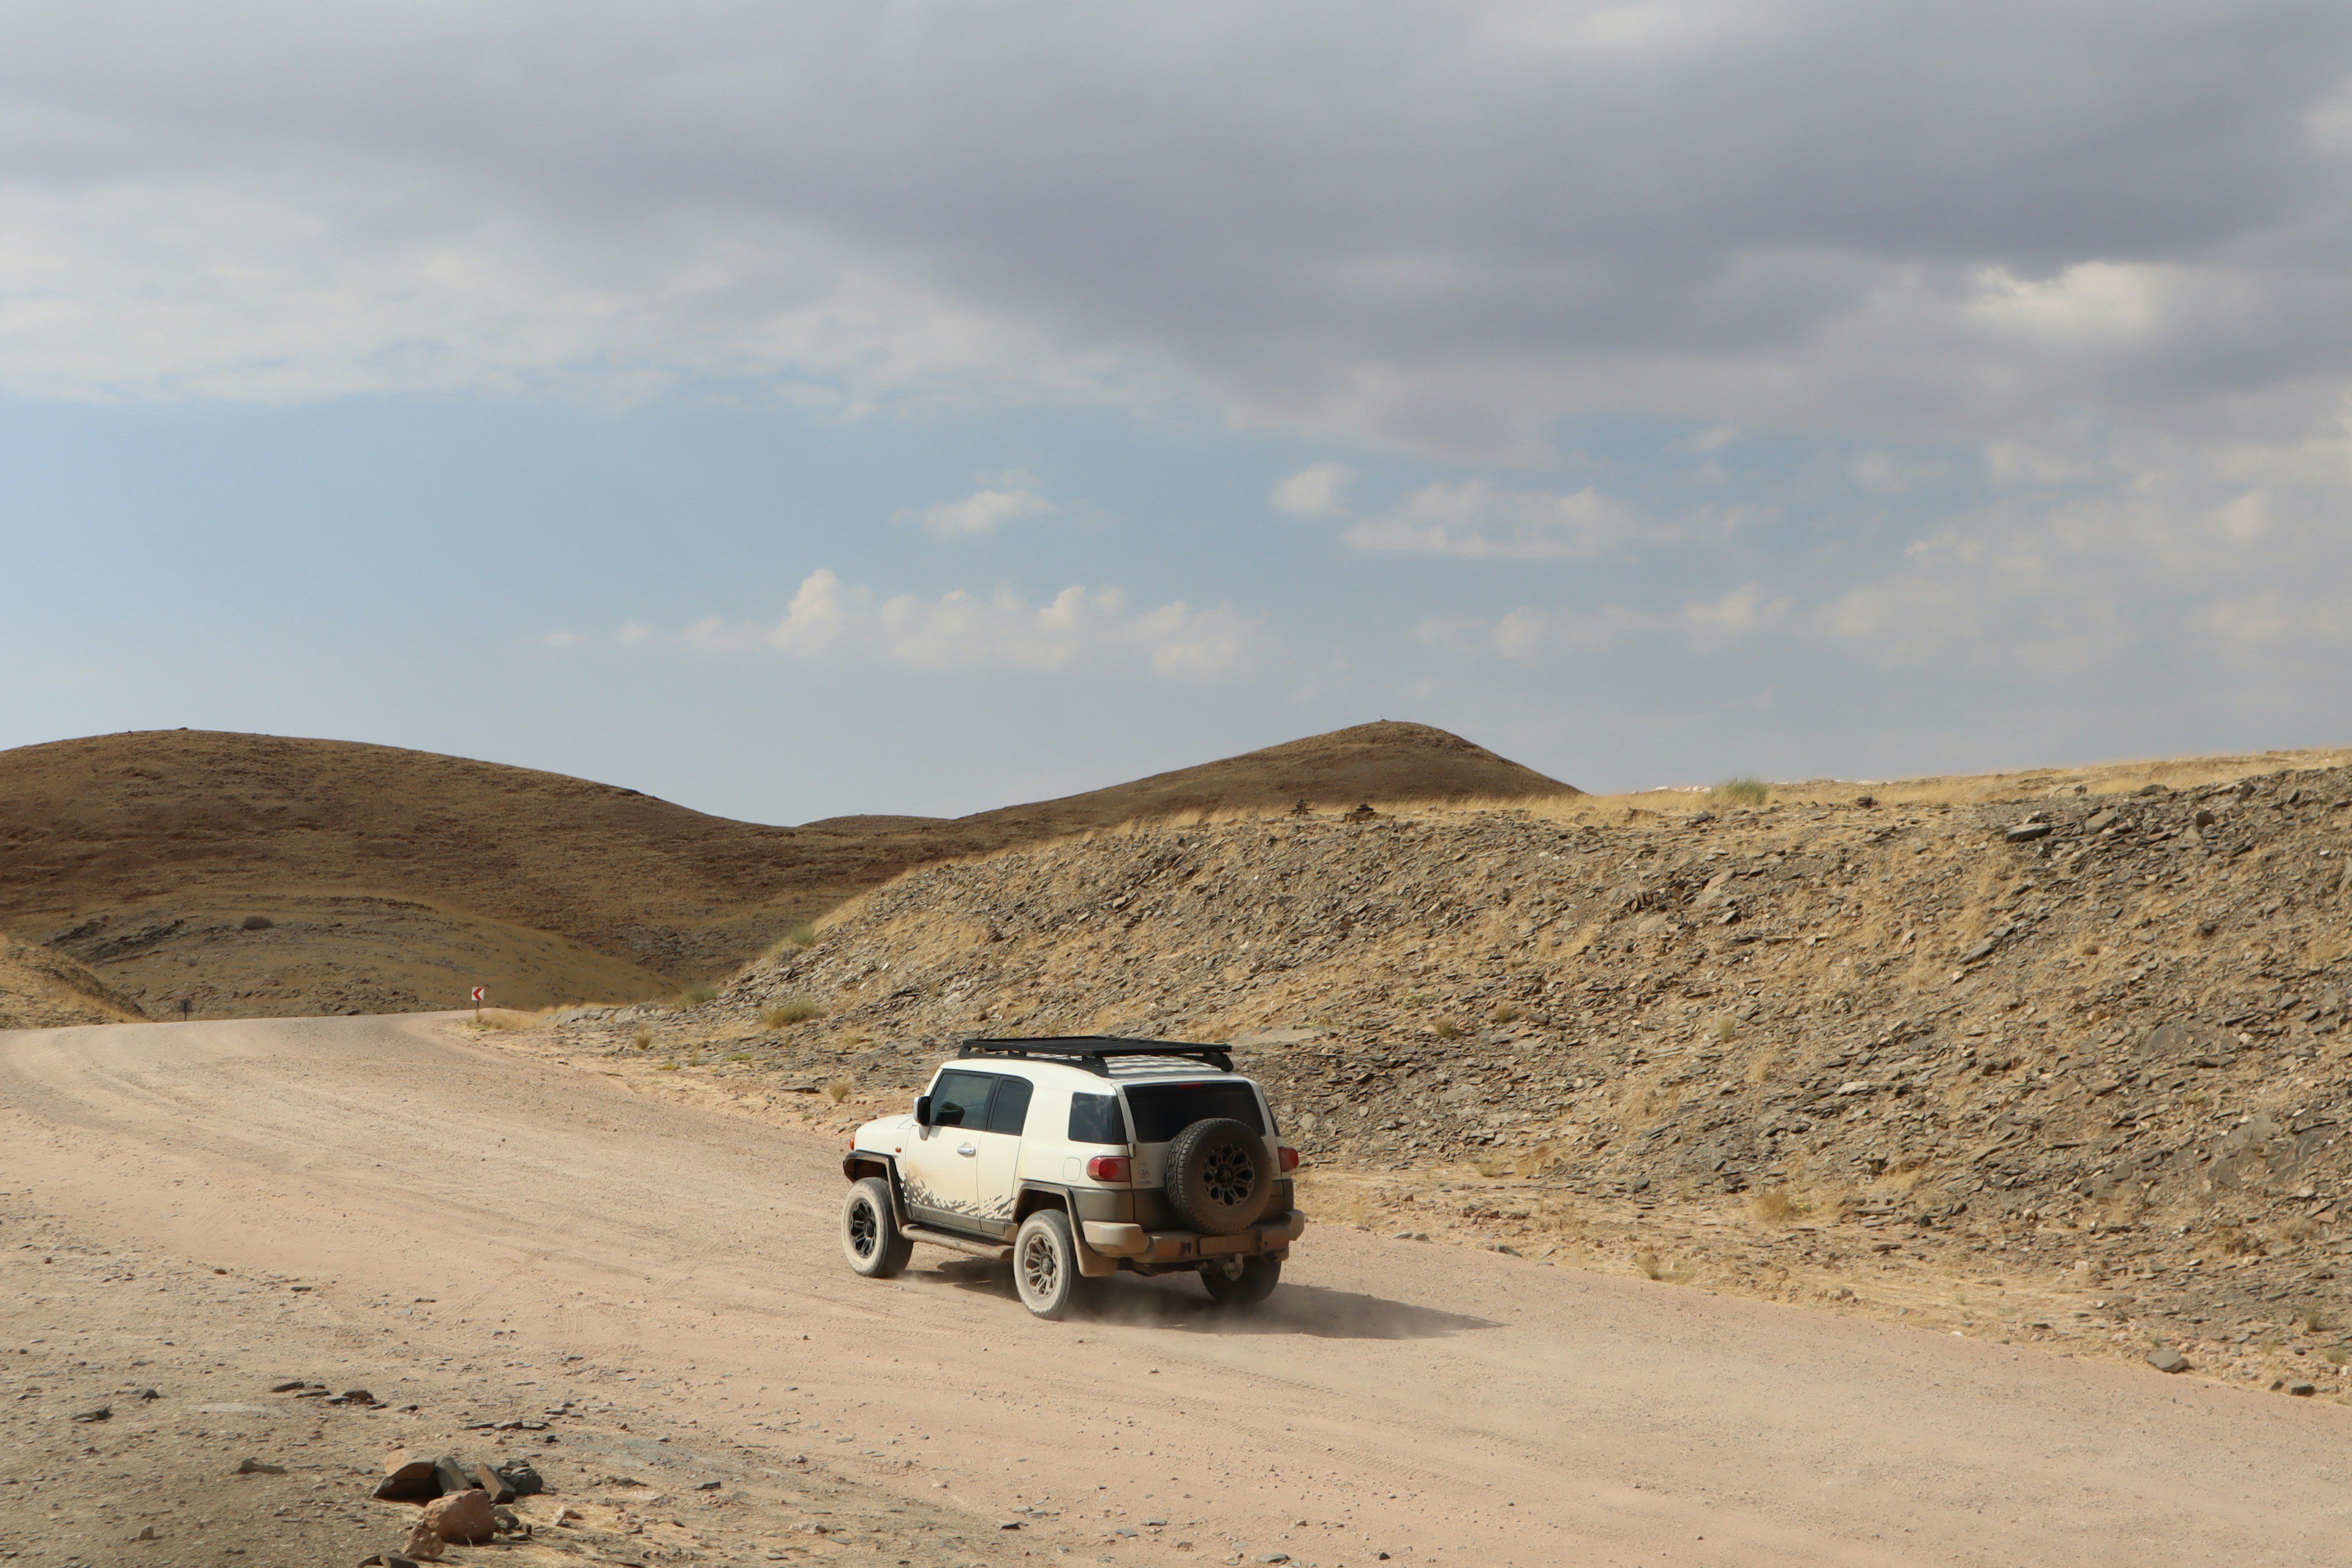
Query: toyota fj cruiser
[{"x": 1074, "y": 1158}]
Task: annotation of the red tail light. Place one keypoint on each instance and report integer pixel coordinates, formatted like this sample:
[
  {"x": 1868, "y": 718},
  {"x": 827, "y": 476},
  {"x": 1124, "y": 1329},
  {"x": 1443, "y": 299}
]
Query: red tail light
[
  {"x": 1111, "y": 1168},
  {"x": 1289, "y": 1158}
]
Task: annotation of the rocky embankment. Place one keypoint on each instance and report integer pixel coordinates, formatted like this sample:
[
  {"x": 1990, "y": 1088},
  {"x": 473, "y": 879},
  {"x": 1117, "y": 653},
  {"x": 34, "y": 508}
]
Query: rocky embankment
[
  {"x": 41, "y": 988},
  {"x": 2063, "y": 1068}
]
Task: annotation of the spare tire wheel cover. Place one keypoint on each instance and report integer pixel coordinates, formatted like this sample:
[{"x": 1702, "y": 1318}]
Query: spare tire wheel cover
[{"x": 1218, "y": 1180}]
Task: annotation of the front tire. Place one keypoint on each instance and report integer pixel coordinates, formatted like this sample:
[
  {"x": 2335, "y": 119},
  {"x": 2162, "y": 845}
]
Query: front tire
[
  {"x": 870, "y": 1237},
  {"x": 1256, "y": 1281},
  {"x": 1046, "y": 1264}
]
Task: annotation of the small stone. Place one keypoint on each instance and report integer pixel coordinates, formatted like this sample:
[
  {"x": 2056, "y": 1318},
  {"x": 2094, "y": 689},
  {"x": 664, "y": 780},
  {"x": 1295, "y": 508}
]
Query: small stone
[
  {"x": 453, "y": 1474},
  {"x": 525, "y": 1481},
  {"x": 1506, "y": 1250},
  {"x": 287, "y": 1387},
  {"x": 103, "y": 1413},
  {"x": 499, "y": 1489},
  {"x": 146, "y": 1532},
  {"x": 2303, "y": 1390},
  {"x": 252, "y": 1467},
  {"x": 422, "y": 1543},
  {"x": 707, "y": 1486},
  {"x": 2166, "y": 1359},
  {"x": 1865, "y": 800},
  {"x": 509, "y": 1521},
  {"x": 2026, "y": 832},
  {"x": 568, "y": 1517},
  {"x": 359, "y": 1396},
  {"x": 1010, "y": 1524},
  {"x": 462, "y": 1519},
  {"x": 408, "y": 1480}
]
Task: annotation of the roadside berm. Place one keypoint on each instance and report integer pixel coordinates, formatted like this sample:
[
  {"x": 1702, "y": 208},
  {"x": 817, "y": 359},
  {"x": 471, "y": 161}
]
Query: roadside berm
[{"x": 2054, "y": 1062}]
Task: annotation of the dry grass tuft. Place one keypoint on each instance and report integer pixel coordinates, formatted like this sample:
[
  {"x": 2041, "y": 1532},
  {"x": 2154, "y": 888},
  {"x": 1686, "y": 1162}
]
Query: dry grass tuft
[
  {"x": 1742, "y": 790},
  {"x": 1446, "y": 1029},
  {"x": 839, "y": 1087},
  {"x": 790, "y": 1010},
  {"x": 695, "y": 996},
  {"x": 643, "y": 1039},
  {"x": 796, "y": 936},
  {"x": 1773, "y": 1205}
]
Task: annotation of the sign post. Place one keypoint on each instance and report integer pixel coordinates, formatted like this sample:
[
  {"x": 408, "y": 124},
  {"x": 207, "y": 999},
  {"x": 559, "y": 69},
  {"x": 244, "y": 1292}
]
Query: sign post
[{"x": 478, "y": 1003}]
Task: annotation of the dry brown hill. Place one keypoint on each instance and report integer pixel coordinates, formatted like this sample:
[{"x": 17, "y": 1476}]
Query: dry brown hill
[
  {"x": 2059, "y": 1057},
  {"x": 41, "y": 988},
  {"x": 397, "y": 880}
]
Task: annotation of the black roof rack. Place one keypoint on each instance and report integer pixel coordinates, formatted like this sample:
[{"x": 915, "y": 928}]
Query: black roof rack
[{"x": 1094, "y": 1052}]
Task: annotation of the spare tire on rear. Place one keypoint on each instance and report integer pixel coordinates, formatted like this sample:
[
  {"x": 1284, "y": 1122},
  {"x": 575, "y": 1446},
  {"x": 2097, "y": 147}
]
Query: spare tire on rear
[{"x": 1219, "y": 1177}]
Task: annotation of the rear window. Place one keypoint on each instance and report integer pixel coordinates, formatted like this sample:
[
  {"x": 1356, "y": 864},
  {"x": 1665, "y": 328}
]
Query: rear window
[
  {"x": 1010, "y": 1108},
  {"x": 1094, "y": 1118},
  {"x": 1161, "y": 1111}
]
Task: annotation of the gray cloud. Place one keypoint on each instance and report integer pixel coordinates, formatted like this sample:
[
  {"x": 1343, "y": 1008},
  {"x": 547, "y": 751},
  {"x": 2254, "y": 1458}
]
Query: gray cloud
[{"x": 1435, "y": 224}]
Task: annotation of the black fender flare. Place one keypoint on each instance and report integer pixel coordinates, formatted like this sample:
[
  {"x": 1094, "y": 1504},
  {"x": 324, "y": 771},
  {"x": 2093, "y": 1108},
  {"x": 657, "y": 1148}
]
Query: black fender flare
[{"x": 860, "y": 1163}]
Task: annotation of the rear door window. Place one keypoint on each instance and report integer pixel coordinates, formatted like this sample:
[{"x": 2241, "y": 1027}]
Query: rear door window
[
  {"x": 1010, "y": 1108},
  {"x": 1094, "y": 1118},
  {"x": 1161, "y": 1111},
  {"x": 960, "y": 1099}
]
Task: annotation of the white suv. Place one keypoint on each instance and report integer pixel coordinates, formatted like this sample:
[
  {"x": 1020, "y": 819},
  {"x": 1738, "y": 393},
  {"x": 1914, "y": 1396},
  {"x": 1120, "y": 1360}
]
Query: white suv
[{"x": 1074, "y": 1158}]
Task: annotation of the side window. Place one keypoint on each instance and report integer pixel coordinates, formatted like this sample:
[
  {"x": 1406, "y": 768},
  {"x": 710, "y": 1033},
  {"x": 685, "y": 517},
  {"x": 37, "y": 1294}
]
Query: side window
[
  {"x": 1094, "y": 1118},
  {"x": 1012, "y": 1105},
  {"x": 960, "y": 1099}
]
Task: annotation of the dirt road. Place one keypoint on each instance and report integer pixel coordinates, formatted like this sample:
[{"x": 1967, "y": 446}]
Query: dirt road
[{"x": 487, "y": 1237}]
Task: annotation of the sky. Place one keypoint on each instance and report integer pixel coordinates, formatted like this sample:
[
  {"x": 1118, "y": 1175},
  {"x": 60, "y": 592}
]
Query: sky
[{"x": 797, "y": 409}]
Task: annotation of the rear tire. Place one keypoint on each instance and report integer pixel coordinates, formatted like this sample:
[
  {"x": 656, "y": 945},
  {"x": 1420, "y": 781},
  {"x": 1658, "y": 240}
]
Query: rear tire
[
  {"x": 1259, "y": 1276},
  {"x": 1045, "y": 1265},
  {"x": 870, "y": 1237}
]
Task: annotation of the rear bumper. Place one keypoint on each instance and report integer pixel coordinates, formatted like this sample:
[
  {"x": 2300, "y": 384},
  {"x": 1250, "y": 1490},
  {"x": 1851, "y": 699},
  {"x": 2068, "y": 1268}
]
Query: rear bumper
[{"x": 1135, "y": 1243}]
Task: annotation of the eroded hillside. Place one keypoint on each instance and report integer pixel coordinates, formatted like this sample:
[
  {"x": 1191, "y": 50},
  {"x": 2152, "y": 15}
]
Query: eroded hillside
[
  {"x": 396, "y": 881},
  {"x": 41, "y": 988},
  {"x": 2076, "y": 1054}
]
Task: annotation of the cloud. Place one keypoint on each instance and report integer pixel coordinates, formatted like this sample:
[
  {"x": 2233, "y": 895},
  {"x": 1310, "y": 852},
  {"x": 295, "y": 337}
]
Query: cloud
[
  {"x": 831, "y": 620},
  {"x": 1311, "y": 492},
  {"x": 981, "y": 512},
  {"x": 1890, "y": 474},
  {"x": 1526, "y": 635},
  {"x": 1479, "y": 519},
  {"x": 562, "y": 641},
  {"x": 2037, "y": 210}
]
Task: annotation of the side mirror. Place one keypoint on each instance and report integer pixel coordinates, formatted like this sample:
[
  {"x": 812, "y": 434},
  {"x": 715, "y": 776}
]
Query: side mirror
[{"x": 922, "y": 1111}]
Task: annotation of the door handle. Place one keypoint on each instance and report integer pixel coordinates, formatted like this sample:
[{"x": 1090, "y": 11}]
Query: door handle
[{"x": 966, "y": 1149}]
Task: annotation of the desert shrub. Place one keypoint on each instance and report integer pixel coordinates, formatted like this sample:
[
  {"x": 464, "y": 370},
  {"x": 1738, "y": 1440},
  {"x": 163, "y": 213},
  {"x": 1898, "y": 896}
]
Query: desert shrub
[
  {"x": 800, "y": 934},
  {"x": 790, "y": 1010},
  {"x": 1447, "y": 1029},
  {"x": 740, "y": 1056},
  {"x": 695, "y": 996},
  {"x": 1775, "y": 1207},
  {"x": 643, "y": 1038},
  {"x": 1506, "y": 1014},
  {"x": 1742, "y": 790},
  {"x": 839, "y": 1088}
]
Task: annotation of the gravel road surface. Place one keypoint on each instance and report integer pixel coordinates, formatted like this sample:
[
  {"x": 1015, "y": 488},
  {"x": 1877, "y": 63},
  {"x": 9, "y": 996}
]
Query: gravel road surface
[{"x": 654, "y": 1291}]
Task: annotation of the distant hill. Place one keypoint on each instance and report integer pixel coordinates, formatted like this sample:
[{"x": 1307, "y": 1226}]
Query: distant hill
[{"x": 384, "y": 879}]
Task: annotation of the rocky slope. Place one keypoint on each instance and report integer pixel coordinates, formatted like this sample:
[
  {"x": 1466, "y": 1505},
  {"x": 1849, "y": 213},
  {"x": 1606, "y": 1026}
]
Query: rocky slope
[
  {"x": 2062, "y": 1066},
  {"x": 397, "y": 880},
  {"x": 41, "y": 988}
]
